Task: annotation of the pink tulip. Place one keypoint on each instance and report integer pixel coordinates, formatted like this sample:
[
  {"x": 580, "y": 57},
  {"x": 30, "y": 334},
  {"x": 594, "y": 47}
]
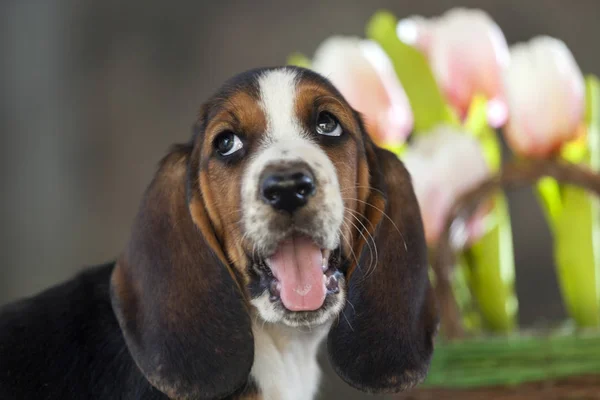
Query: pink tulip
[
  {"x": 444, "y": 164},
  {"x": 364, "y": 75},
  {"x": 546, "y": 97},
  {"x": 416, "y": 31},
  {"x": 467, "y": 53}
]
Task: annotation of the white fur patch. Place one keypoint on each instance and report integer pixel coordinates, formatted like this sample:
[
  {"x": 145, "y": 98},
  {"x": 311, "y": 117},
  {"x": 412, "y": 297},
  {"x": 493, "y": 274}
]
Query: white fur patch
[
  {"x": 278, "y": 95},
  {"x": 285, "y": 362}
]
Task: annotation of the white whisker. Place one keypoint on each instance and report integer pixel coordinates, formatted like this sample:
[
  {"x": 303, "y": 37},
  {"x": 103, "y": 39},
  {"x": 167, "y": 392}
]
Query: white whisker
[
  {"x": 372, "y": 259},
  {"x": 371, "y": 249},
  {"x": 349, "y": 244},
  {"x": 351, "y": 305},
  {"x": 348, "y": 321},
  {"x": 382, "y": 213}
]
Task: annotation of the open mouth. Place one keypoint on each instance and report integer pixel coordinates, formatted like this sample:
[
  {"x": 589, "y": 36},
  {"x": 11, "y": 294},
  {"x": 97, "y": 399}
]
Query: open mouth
[{"x": 302, "y": 274}]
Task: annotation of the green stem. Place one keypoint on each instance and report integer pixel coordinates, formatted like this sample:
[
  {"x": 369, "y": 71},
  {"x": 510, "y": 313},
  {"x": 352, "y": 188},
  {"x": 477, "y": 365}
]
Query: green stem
[
  {"x": 575, "y": 223},
  {"x": 491, "y": 258}
]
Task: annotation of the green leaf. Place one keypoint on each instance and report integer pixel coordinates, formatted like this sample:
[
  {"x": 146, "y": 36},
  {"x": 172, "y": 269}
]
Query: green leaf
[
  {"x": 476, "y": 124},
  {"x": 576, "y": 151},
  {"x": 575, "y": 245},
  {"x": 592, "y": 119},
  {"x": 467, "y": 304},
  {"x": 397, "y": 149},
  {"x": 299, "y": 60},
  {"x": 476, "y": 121},
  {"x": 577, "y": 228},
  {"x": 427, "y": 103},
  {"x": 492, "y": 277},
  {"x": 549, "y": 194}
]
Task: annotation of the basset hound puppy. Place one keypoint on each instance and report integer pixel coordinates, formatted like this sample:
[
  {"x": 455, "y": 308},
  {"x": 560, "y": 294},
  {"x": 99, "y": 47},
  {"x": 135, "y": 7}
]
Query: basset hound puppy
[{"x": 279, "y": 224}]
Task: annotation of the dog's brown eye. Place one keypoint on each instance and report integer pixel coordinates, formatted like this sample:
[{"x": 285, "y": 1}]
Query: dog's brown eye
[
  {"x": 228, "y": 143},
  {"x": 328, "y": 125}
]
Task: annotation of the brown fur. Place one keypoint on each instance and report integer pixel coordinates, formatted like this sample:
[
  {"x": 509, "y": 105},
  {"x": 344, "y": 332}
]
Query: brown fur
[
  {"x": 170, "y": 278},
  {"x": 240, "y": 113}
]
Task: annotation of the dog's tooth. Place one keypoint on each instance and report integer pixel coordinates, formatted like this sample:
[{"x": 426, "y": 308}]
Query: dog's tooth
[
  {"x": 332, "y": 284},
  {"x": 325, "y": 265},
  {"x": 275, "y": 290}
]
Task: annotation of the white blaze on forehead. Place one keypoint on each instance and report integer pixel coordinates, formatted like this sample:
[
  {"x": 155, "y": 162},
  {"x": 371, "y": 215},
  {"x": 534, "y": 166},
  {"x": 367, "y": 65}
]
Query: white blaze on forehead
[{"x": 277, "y": 97}]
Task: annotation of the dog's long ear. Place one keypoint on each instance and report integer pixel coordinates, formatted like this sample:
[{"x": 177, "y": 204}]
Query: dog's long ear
[
  {"x": 384, "y": 340},
  {"x": 183, "y": 315}
]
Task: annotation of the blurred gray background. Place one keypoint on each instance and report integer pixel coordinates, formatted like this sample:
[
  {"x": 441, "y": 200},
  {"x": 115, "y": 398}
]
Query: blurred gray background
[{"x": 94, "y": 92}]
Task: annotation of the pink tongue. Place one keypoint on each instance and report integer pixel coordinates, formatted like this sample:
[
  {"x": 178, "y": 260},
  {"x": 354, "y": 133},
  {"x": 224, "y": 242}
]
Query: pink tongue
[{"x": 297, "y": 265}]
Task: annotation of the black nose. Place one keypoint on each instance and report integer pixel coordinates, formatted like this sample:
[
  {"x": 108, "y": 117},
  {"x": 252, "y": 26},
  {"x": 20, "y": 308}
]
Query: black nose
[{"x": 287, "y": 189}]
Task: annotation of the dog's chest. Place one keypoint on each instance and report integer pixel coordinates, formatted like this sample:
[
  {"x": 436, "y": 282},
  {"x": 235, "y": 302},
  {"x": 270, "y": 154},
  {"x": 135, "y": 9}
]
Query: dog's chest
[{"x": 285, "y": 361}]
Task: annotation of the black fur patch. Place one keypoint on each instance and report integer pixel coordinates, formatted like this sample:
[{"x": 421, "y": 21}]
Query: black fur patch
[{"x": 65, "y": 343}]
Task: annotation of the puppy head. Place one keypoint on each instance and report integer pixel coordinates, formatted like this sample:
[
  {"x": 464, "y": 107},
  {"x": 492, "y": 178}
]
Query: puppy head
[{"x": 280, "y": 207}]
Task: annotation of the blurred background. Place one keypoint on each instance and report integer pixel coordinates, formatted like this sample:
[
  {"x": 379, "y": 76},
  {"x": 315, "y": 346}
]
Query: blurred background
[{"x": 93, "y": 93}]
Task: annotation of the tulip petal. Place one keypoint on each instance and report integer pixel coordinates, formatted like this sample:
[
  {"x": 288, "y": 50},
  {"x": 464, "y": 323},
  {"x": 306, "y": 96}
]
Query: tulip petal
[
  {"x": 468, "y": 54},
  {"x": 546, "y": 96},
  {"x": 415, "y": 31},
  {"x": 444, "y": 164},
  {"x": 361, "y": 71}
]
